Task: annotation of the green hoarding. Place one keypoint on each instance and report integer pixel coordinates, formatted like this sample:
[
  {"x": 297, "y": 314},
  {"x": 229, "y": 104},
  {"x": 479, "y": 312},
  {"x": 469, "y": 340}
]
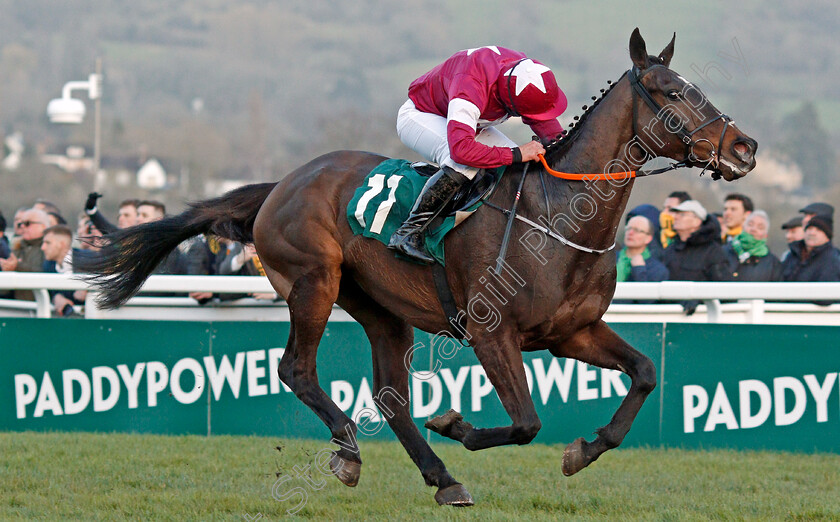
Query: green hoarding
[
  {"x": 773, "y": 387},
  {"x": 219, "y": 378}
]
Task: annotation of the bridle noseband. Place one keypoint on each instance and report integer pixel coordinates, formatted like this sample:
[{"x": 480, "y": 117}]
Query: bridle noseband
[{"x": 687, "y": 137}]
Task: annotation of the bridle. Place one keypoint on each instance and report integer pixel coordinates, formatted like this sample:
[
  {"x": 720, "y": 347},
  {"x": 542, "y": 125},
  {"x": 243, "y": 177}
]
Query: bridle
[{"x": 687, "y": 137}]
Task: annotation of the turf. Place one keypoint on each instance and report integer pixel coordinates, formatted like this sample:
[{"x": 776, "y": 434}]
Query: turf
[{"x": 53, "y": 476}]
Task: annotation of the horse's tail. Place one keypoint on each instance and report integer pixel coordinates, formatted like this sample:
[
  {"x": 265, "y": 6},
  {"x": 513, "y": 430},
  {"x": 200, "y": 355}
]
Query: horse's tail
[{"x": 129, "y": 256}]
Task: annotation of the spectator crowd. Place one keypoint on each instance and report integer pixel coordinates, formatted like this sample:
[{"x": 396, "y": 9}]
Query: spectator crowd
[
  {"x": 681, "y": 242},
  {"x": 42, "y": 241},
  {"x": 686, "y": 242}
]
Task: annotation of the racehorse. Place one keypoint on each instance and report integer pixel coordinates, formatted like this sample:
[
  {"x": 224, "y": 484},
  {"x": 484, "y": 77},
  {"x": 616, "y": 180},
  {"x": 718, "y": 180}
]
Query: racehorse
[{"x": 313, "y": 260}]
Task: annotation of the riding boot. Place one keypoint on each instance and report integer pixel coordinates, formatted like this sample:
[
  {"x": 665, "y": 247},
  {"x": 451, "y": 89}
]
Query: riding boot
[{"x": 436, "y": 193}]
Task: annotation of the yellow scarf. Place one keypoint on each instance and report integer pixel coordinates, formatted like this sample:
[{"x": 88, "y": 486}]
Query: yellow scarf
[
  {"x": 732, "y": 232},
  {"x": 667, "y": 232}
]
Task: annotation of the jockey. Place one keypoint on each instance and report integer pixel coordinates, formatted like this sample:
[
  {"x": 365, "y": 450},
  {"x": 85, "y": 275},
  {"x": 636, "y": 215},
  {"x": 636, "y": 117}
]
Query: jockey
[{"x": 449, "y": 118}]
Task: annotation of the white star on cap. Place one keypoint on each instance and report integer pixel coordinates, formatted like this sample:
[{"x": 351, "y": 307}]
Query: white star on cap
[
  {"x": 491, "y": 47},
  {"x": 527, "y": 72}
]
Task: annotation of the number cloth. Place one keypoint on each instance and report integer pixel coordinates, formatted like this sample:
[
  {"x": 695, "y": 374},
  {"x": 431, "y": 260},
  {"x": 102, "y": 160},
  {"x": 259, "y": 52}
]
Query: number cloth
[{"x": 384, "y": 200}]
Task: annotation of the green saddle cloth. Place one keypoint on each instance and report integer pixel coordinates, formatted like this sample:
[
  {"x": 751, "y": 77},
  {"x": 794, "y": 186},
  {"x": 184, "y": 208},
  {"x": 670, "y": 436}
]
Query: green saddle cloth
[{"x": 384, "y": 200}]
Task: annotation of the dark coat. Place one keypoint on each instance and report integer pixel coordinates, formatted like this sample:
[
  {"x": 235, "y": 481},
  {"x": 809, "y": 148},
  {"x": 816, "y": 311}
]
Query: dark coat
[
  {"x": 754, "y": 269},
  {"x": 652, "y": 271},
  {"x": 823, "y": 264},
  {"x": 700, "y": 257}
]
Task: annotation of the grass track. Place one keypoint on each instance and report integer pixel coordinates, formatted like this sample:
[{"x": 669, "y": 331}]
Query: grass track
[{"x": 56, "y": 476}]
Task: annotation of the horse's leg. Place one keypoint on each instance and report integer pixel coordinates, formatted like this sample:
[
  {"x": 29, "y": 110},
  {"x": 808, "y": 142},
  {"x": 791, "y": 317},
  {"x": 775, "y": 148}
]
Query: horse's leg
[
  {"x": 310, "y": 304},
  {"x": 600, "y": 346},
  {"x": 501, "y": 359},
  {"x": 390, "y": 340}
]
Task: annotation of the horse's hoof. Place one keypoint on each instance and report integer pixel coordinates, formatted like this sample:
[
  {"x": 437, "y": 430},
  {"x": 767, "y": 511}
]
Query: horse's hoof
[
  {"x": 574, "y": 458},
  {"x": 442, "y": 424},
  {"x": 345, "y": 470},
  {"x": 454, "y": 495}
]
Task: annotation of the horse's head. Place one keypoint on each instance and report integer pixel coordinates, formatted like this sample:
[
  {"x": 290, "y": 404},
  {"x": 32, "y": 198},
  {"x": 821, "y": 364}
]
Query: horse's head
[{"x": 672, "y": 117}]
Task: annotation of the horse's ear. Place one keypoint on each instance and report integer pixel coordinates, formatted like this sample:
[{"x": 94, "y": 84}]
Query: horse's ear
[
  {"x": 638, "y": 51},
  {"x": 668, "y": 52}
]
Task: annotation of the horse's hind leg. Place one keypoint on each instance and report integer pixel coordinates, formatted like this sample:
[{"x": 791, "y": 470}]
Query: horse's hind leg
[
  {"x": 310, "y": 304},
  {"x": 390, "y": 340},
  {"x": 600, "y": 346}
]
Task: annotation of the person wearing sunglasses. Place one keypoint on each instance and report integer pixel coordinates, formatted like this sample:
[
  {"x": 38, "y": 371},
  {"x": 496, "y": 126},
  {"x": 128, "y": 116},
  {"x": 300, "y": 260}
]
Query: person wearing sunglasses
[{"x": 27, "y": 256}]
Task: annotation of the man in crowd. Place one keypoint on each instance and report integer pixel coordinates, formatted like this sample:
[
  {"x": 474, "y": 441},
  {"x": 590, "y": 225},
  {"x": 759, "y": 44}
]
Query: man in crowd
[
  {"x": 58, "y": 256},
  {"x": 696, "y": 253},
  {"x": 27, "y": 256},
  {"x": 793, "y": 229},
  {"x": 813, "y": 259},
  {"x": 635, "y": 262},
  {"x": 752, "y": 261},
  {"x": 736, "y": 208},
  {"x": 666, "y": 218},
  {"x": 148, "y": 211},
  {"x": 652, "y": 215}
]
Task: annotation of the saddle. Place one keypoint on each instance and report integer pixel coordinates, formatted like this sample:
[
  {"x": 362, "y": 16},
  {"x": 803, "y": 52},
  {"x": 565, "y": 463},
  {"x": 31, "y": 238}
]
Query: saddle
[{"x": 469, "y": 194}]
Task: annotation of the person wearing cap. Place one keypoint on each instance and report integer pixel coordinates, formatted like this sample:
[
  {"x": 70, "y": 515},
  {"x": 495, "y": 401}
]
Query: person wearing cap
[
  {"x": 449, "y": 119},
  {"x": 813, "y": 259},
  {"x": 696, "y": 253},
  {"x": 736, "y": 209},
  {"x": 816, "y": 209},
  {"x": 752, "y": 261},
  {"x": 793, "y": 229}
]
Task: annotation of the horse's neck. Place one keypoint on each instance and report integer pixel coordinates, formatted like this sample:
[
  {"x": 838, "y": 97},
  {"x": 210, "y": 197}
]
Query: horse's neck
[{"x": 601, "y": 140}]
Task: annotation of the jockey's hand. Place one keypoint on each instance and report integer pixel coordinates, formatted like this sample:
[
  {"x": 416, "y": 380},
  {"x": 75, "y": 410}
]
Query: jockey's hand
[{"x": 531, "y": 150}]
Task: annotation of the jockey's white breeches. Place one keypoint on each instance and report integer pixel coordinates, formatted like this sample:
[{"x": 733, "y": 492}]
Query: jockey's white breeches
[{"x": 425, "y": 133}]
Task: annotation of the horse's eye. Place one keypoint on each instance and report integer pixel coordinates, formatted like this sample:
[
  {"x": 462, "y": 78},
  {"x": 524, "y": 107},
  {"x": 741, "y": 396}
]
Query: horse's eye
[{"x": 673, "y": 95}]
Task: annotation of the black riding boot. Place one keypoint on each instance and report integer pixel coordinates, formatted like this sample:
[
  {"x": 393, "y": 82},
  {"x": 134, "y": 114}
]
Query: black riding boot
[{"x": 437, "y": 192}]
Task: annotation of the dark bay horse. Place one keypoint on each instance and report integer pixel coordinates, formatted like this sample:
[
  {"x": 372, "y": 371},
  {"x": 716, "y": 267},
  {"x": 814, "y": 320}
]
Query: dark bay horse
[{"x": 313, "y": 260}]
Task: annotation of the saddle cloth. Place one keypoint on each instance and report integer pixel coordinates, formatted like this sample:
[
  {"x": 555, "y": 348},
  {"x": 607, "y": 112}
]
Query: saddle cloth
[{"x": 384, "y": 200}]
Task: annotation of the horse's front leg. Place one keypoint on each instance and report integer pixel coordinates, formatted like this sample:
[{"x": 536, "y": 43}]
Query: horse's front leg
[
  {"x": 501, "y": 358},
  {"x": 600, "y": 346}
]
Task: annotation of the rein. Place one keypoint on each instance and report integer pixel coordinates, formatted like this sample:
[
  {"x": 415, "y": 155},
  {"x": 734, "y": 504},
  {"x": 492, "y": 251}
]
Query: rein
[{"x": 610, "y": 175}]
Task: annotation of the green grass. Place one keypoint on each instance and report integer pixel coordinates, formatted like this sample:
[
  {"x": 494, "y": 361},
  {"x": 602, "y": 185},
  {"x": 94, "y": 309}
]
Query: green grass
[{"x": 58, "y": 476}]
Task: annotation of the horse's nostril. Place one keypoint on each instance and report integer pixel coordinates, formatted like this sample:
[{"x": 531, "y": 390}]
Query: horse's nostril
[{"x": 742, "y": 149}]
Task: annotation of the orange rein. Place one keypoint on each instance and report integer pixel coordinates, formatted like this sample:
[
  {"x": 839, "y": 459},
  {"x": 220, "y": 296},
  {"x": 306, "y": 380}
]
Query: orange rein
[{"x": 585, "y": 177}]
